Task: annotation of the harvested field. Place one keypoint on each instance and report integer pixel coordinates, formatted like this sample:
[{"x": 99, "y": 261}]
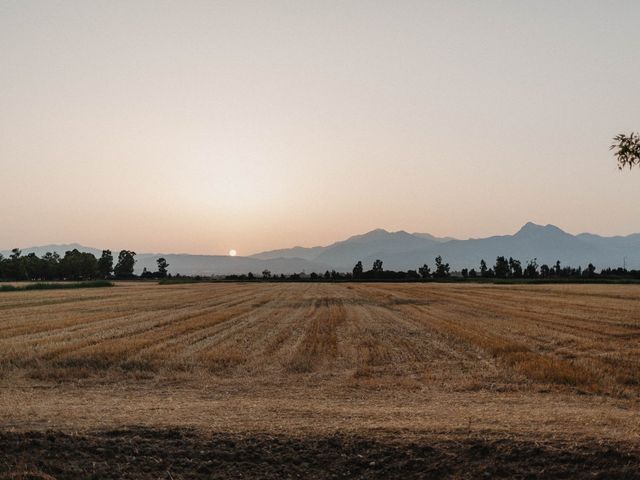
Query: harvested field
[{"x": 552, "y": 369}]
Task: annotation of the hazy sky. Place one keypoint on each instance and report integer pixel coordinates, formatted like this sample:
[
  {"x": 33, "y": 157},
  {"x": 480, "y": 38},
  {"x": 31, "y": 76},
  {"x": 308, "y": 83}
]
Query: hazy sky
[{"x": 204, "y": 126}]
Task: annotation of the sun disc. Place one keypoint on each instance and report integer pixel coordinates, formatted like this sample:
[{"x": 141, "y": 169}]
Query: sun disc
[{"x": 232, "y": 253}]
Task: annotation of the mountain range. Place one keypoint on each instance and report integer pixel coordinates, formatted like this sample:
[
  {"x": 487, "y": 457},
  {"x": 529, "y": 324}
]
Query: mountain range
[{"x": 402, "y": 250}]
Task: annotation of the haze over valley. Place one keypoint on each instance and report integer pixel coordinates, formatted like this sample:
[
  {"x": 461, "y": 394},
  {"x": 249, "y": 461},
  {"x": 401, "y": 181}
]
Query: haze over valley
[{"x": 402, "y": 251}]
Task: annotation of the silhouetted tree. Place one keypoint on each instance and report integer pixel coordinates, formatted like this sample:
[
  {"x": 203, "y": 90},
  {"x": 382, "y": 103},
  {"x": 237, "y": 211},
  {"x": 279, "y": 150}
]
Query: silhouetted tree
[
  {"x": 425, "y": 271},
  {"x": 465, "y": 272},
  {"x": 531, "y": 270},
  {"x": 377, "y": 266},
  {"x": 442, "y": 269},
  {"x": 51, "y": 265},
  {"x": 590, "y": 271},
  {"x": 162, "y": 267},
  {"x": 545, "y": 271},
  {"x": 266, "y": 274},
  {"x": 126, "y": 262},
  {"x": 627, "y": 150},
  {"x": 15, "y": 267},
  {"x": 501, "y": 267},
  {"x": 357, "y": 270},
  {"x": 557, "y": 269},
  {"x": 483, "y": 268},
  {"x": 473, "y": 273},
  {"x": 515, "y": 268},
  {"x": 33, "y": 267},
  {"x": 105, "y": 264},
  {"x": 76, "y": 265}
]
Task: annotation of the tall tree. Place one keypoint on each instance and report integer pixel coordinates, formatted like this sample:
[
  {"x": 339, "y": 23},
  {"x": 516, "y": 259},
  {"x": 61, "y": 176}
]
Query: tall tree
[
  {"x": 531, "y": 270},
  {"x": 442, "y": 269},
  {"x": 425, "y": 271},
  {"x": 501, "y": 268},
  {"x": 77, "y": 265},
  {"x": 105, "y": 264},
  {"x": 515, "y": 268},
  {"x": 357, "y": 270},
  {"x": 163, "y": 268},
  {"x": 626, "y": 150},
  {"x": 33, "y": 267},
  {"x": 483, "y": 268},
  {"x": 557, "y": 269},
  {"x": 377, "y": 266},
  {"x": 15, "y": 266},
  {"x": 51, "y": 265},
  {"x": 545, "y": 271},
  {"x": 126, "y": 262}
]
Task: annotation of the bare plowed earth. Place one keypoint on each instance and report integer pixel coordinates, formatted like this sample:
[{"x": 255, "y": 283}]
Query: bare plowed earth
[{"x": 139, "y": 453}]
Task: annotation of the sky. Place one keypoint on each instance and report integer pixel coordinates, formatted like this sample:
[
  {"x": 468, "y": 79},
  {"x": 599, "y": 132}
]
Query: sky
[{"x": 201, "y": 127}]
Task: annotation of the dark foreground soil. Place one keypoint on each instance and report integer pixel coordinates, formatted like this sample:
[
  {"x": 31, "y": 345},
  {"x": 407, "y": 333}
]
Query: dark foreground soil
[{"x": 175, "y": 454}]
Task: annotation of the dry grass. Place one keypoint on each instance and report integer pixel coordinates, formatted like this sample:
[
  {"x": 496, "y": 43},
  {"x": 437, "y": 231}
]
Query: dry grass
[{"x": 438, "y": 357}]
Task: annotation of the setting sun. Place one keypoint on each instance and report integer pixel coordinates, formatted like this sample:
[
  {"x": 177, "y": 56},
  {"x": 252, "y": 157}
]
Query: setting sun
[{"x": 232, "y": 253}]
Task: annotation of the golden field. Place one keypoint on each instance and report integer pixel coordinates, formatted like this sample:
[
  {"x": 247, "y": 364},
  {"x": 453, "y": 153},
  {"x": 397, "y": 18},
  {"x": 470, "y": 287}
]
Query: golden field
[{"x": 536, "y": 362}]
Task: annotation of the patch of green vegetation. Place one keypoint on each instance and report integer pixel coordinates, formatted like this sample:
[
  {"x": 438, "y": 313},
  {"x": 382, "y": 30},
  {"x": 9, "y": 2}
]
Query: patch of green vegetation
[{"x": 56, "y": 286}]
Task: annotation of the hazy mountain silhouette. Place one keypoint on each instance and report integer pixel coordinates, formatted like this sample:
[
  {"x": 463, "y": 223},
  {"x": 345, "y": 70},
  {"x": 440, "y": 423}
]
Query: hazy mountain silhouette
[
  {"x": 371, "y": 246},
  {"x": 401, "y": 251},
  {"x": 377, "y": 243},
  {"x": 294, "y": 252},
  {"x": 428, "y": 236}
]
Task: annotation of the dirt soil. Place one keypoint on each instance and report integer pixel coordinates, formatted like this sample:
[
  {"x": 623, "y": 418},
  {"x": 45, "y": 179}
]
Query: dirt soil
[
  {"x": 321, "y": 381},
  {"x": 182, "y": 453}
]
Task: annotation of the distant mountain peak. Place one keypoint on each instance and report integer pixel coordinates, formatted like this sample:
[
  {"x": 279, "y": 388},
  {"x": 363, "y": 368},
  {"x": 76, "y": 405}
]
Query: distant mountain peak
[
  {"x": 376, "y": 231},
  {"x": 533, "y": 228}
]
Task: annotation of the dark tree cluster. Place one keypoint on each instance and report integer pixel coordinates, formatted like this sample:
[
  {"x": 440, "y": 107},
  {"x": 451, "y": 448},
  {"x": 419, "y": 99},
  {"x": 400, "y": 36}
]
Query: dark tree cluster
[
  {"x": 377, "y": 272},
  {"x": 503, "y": 268},
  {"x": 620, "y": 273},
  {"x": 161, "y": 273},
  {"x": 74, "y": 265},
  {"x": 512, "y": 268}
]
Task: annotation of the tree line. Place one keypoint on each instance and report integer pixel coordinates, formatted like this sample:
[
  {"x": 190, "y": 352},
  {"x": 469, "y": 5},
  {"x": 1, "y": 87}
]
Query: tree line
[
  {"x": 503, "y": 268},
  {"x": 77, "y": 265},
  {"x": 74, "y": 265}
]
